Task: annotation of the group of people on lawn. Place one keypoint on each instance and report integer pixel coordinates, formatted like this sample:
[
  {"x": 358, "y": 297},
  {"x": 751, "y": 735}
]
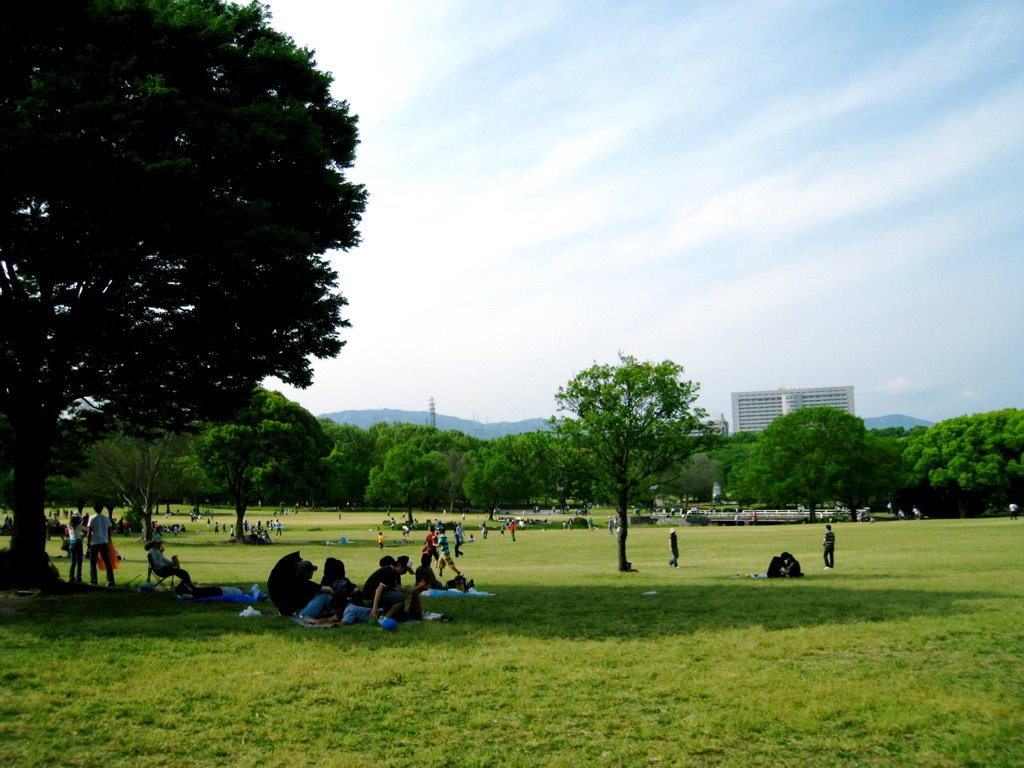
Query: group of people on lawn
[{"x": 337, "y": 600}]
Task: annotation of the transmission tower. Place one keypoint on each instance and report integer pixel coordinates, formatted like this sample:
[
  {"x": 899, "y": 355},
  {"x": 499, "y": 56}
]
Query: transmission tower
[{"x": 433, "y": 413}]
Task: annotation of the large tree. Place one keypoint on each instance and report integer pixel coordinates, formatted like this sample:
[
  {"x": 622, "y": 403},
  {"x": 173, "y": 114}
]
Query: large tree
[
  {"x": 173, "y": 172},
  {"x": 976, "y": 459},
  {"x": 809, "y": 456},
  {"x": 633, "y": 421}
]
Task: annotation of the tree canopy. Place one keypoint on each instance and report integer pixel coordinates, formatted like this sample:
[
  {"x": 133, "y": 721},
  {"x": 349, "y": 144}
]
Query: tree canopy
[
  {"x": 174, "y": 171},
  {"x": 632, "y": 421},
  {"x": 806, "y": 456},
  {"x": 272, "y": 446},
  {"x": 972, "y": 458}
]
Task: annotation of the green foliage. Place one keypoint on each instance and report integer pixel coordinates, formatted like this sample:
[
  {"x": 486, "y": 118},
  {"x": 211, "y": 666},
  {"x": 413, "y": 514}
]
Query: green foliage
[
  {"x": 973, "y": 458},
  {"x": 408, "y": 475},
  {"x": 347, "y": 468},
  {"x": 631, "y": 422},
  {"x": 168, "y": 167},
  {"x": 273, "y": 448},
  {"x": 806, "y": 456}
]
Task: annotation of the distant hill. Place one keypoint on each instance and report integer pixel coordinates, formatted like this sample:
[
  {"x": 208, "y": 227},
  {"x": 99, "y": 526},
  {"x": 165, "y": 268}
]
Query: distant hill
[
  {"x": 895, "y": 420},
  {"x": 367, "y": 418}
]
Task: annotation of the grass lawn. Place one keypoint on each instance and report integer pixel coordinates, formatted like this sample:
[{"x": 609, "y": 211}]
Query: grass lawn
[{"x": 909, "y": 653}]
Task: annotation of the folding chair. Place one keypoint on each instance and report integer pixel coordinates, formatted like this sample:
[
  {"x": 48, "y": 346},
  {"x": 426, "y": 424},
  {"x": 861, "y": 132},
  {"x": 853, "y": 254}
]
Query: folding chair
[{"x": 158, "y": 581}]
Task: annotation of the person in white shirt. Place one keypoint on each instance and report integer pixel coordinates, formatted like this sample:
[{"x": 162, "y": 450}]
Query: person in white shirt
[
  {"x": 99, "y": 546},
  {"x": 76, "y": 537}
]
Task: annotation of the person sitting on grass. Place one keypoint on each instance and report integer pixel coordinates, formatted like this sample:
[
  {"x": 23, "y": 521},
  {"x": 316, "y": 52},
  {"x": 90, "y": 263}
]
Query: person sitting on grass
[
  {"x": 319, "y": 603},
  {"x": 425, "y": 573},
  {"x": 383, "y": 589},
  {"x": 781, "y": 566},
  {"x": 791, "y": 565},
  {"x": 346, "y": 612}
]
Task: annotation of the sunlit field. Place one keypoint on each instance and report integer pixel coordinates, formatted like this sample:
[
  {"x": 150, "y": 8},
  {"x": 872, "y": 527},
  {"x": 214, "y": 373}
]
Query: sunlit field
[{"x": 909, "y": 653}]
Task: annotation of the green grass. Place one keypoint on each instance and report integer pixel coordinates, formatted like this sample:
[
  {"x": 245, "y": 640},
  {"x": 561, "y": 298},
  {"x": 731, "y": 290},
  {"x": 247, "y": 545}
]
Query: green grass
[{"x": 908, "y": 654}]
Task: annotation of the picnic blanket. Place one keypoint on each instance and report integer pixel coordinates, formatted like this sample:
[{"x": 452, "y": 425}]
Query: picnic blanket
[
  {"x": 456, "y": 593},
  {"x": 218, "y": 599}
]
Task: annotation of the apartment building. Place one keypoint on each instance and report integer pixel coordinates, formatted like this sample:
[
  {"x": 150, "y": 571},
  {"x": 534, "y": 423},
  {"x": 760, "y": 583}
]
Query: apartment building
[{"x": 753, "y": 411}]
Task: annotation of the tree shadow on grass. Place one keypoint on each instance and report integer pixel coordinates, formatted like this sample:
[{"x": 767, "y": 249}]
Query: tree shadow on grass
[
  {"x": 674, "y": 609},
  {"x": 647, "y": 611}
]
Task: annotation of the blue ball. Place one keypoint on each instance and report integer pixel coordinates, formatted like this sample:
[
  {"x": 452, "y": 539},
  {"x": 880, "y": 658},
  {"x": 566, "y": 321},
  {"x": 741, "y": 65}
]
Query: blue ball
[{"x": 388, "y": 625}]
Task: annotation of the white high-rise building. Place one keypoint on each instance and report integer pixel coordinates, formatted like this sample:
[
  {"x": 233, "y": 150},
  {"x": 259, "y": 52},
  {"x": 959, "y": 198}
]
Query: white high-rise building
[{"x": 753, "y": 411}]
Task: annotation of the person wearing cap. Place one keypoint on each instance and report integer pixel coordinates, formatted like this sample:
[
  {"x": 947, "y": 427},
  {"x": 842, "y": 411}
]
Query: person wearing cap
[
  {"x": 383, "y": 591},
  {"x": 76, "y": 551},
  {"x": 673, "y": 545},
  {"x": 160, "y": 564}
]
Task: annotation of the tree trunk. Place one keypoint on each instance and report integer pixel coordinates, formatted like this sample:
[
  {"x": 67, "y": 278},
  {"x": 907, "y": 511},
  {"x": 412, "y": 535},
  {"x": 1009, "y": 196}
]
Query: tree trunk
[
  {"x": 239, "y": 521},
  {"x": 30, "y": 565},
  {"x": 624, "y": 564}
]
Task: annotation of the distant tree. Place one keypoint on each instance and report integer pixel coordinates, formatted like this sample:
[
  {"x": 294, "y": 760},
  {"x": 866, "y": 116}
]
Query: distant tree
[
  {"x": 493, "y": 479},
  {"x": 173, "y": 171},
  {"x": 347, "y": 468},
  {"x": 975, "y": 459},
  {"x": 733, "y": 457},
  {"x": 633, "y": 420},
  {"x": 408, "y": 475},
  {"x": 273, "y": 448},
  {"x": 877, "y": 472},
  {"x": 806, "y": 457},
  {"x": 456, "y": 464},
  {"x": 137, "y": 472},
  {"x": 694, "y": 479}
]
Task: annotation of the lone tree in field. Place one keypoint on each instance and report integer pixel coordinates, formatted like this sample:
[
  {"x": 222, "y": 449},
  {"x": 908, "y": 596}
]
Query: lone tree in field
[
  {"x": 173, "y": 172},
  {"x": 631, "y": 423}
]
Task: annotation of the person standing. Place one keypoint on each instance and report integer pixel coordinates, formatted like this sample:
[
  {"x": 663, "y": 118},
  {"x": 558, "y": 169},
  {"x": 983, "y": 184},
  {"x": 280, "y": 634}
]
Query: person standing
[
  {"x": 1013, "y": 510},
  {"x": 99, "y": 546},
  {"x": 76, "y": 539},
  {"x": 459, "y": 537},
  {"x": 829, "y": 544},
  {"x": 512, "y": 529},
  {"x": 673, "y": 545}
]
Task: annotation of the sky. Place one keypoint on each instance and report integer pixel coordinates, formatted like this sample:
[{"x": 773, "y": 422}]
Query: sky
[{"x": 771, "y": 194}]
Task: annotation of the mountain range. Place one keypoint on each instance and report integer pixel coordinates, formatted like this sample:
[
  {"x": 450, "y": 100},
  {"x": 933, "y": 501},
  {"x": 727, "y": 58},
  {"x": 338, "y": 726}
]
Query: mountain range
[{"x": 365, "y": 419}]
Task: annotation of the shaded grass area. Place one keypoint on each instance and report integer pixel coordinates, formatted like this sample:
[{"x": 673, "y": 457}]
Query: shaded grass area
[{"x": 908, "y": 654}]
